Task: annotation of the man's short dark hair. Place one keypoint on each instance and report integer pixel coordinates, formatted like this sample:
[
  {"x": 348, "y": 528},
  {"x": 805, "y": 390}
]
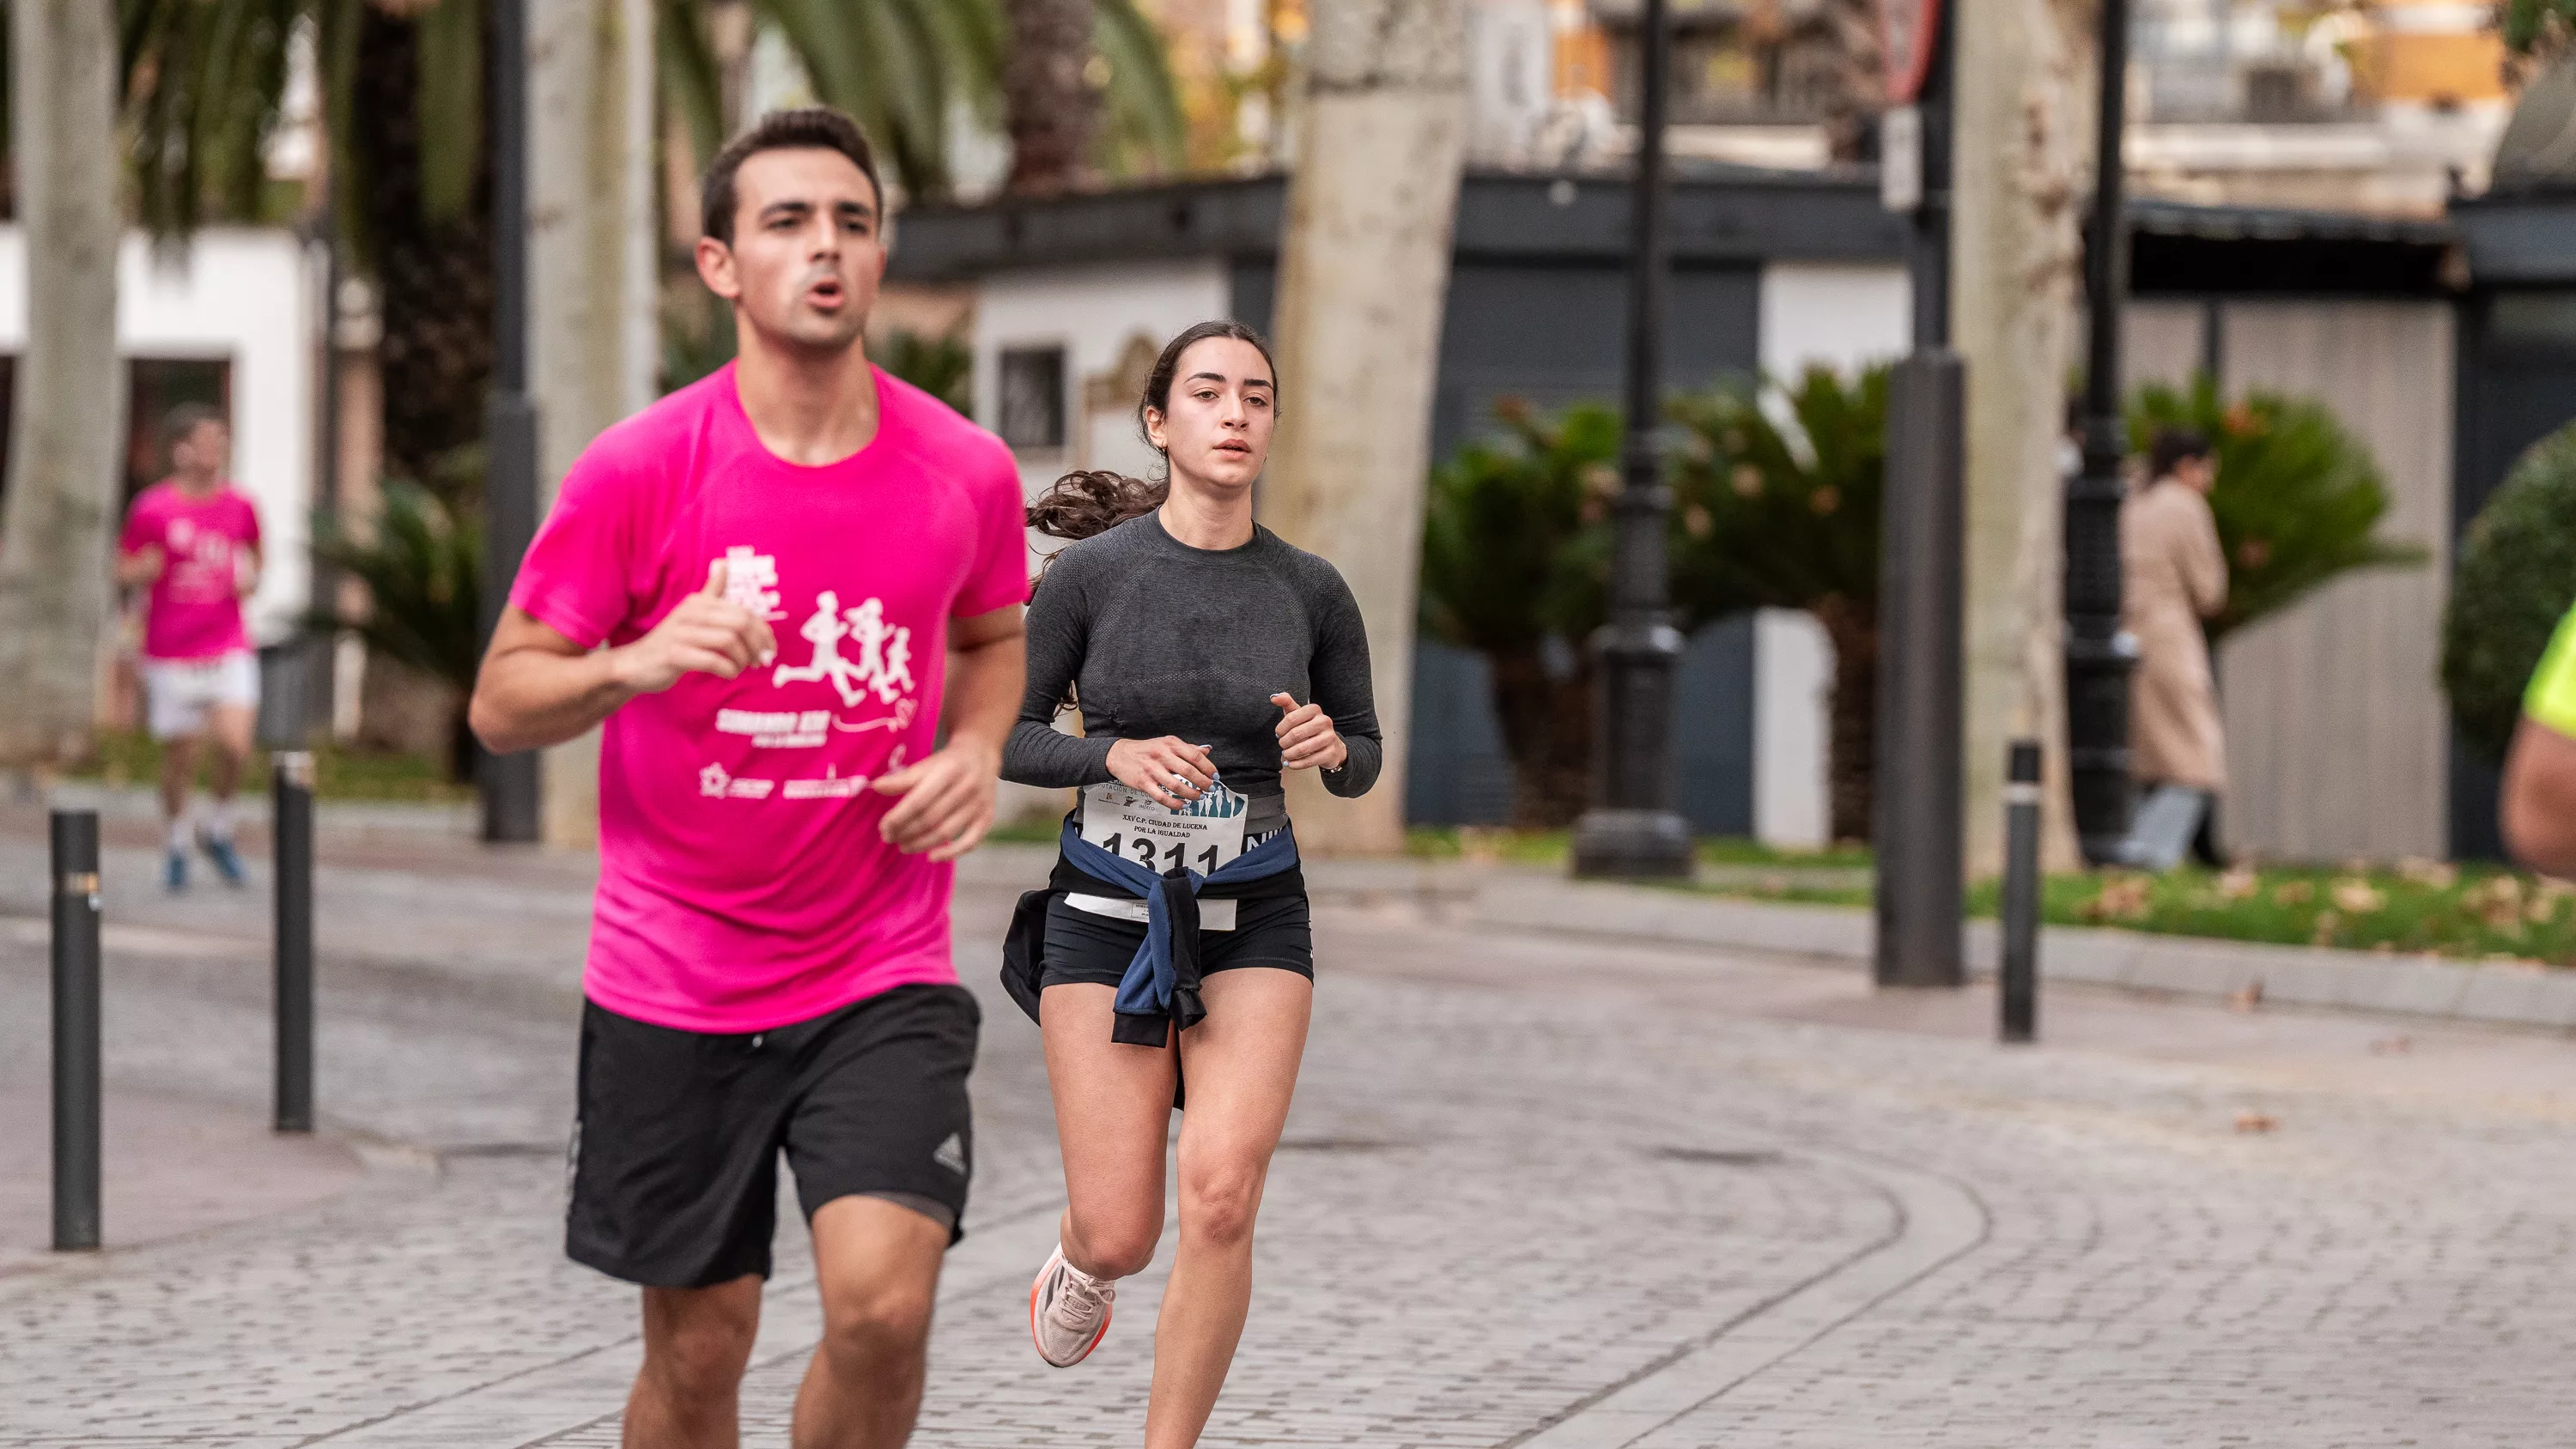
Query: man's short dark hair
[
  {"x": 812, "y": 128},
  {"x": 181, "y": 423},
  {"x": 2173, "y": 448}
]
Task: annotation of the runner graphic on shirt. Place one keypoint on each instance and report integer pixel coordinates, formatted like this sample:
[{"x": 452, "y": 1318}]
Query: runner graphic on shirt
[{"x": 884, "y": 662}]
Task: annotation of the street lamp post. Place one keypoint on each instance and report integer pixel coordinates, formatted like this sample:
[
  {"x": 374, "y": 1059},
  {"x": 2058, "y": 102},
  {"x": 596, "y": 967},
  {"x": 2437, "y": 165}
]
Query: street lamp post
[
  {"x": 509, "y": 783},
  {"x": 2099, "y": 655},
  {"x": 1633, "y": 830}
]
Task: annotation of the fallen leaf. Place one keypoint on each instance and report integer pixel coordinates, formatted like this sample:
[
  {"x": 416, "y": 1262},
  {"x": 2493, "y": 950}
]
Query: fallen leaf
[
  {"x": 2392, "y": 1046},
  {"x": 2238, "y": 883},
  {"x": 2293, "y": 893},
  {"x": 2256, "y": 1122},
  {"x": 2440, "y": 875},
  {"x": 2357, "y": 897},
  {"x": 2122, "y": 898},
  {"x": 2327, "y": 924},
  {"x": 2247, "y": 999}
]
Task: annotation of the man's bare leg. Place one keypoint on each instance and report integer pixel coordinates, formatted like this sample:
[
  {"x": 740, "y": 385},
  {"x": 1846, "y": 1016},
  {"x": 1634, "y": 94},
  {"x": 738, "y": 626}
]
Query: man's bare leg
[
  {"x": 696, "y": 1343},
  {"x": 178, "y": 772},
  {"x": 878, "y": 1267},
  {"x": 231, "y": 727}
]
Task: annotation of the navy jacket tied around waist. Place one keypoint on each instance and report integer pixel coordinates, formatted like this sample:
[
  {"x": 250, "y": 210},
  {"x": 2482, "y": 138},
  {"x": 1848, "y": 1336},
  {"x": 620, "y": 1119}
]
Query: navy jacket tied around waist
[{"x": 1161, "y": 987}]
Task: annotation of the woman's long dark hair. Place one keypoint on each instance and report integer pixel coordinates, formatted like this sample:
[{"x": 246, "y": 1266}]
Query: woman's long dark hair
[{"x": 1087, "y": 502}]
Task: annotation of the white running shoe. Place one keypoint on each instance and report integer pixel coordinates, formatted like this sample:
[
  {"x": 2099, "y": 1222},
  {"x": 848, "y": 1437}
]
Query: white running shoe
[{"x": 1068, "y": 1311}]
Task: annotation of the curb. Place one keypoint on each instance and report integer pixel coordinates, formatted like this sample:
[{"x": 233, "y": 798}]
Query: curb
[{"x": 2468, "y": 991}]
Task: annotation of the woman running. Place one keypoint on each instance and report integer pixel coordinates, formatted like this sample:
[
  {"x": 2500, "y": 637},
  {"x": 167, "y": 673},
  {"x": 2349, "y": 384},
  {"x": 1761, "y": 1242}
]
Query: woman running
[{"x": 1207, "y": 656}]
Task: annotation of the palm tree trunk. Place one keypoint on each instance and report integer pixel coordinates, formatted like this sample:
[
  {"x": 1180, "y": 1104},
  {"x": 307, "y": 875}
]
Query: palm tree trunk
[
  {"x": 1048, "y": 104},
  {"x": 70, "y": 407},
  {"x": 1856, "y": 90},
  {"x": 1363, "y": 274},
  {"x": 1547, "y": 730},
  {"x": 434, "y": 279},
  {"x": 1851, "y": 767}
]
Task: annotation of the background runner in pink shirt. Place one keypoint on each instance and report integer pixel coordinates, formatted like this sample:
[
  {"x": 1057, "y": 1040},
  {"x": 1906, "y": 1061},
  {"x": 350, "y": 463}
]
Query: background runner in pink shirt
[{"x": 191, "y": 542}]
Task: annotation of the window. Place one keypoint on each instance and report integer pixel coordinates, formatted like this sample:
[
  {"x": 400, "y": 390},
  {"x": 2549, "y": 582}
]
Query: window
[{"x": 1032, "y": 402}]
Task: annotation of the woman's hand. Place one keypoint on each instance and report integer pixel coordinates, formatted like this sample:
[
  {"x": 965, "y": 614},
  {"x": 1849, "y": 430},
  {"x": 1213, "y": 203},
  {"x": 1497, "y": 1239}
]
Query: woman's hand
[
  {"x": 1307, "y": 739},
  {"x": 1170, "y": 771}
]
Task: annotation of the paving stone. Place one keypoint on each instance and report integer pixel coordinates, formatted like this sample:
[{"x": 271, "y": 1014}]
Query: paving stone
[{"x": 1536, "y": 1191}]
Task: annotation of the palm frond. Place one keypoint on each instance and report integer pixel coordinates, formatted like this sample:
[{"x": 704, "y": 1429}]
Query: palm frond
[
  {"x": 423, "y": 571},
  {"x": 1142, "y": 106},
  {"x": 205, "y": 81},
  {"x": 2299, "y": 497}
]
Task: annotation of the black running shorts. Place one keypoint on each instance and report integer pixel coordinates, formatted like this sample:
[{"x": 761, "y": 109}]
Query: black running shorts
[
  {"x": 1083, "y": 946},
  {"x": 675, "y": 1153}
]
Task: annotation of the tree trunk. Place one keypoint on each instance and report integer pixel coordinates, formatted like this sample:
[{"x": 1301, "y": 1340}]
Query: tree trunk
[
  {"x": 593, "y": 349},
  {"x": 434, "y": 280},
  {"x": 1049, "y": 105},
  {"x": 2015, "y": 269},
  {"x": 1852, "y": 765},
  {"x": 1363, "y": 273},
  {"x": 1547, "y": 731},
  {"x": 70, "y": 409}
]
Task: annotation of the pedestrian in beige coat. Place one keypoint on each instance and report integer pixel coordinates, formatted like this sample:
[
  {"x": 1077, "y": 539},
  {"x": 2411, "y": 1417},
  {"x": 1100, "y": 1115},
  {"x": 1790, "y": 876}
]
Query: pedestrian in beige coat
[{"x": 2173, "y": 576}]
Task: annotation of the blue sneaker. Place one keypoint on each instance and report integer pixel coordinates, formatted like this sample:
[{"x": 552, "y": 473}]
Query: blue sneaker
[
  {"x": 174, "y": 871},
  {"x": 219, "y": 849}
]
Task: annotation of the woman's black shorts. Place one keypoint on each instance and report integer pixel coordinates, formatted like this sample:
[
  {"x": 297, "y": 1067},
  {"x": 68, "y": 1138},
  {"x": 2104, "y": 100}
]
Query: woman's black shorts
[{"x": 1081, "y": 946}]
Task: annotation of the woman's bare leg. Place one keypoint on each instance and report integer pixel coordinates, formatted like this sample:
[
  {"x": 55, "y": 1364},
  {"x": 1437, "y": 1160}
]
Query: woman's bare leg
[
  {"x": 1241, "y": 1063},
  {"x": 1113, "y": 1116}
]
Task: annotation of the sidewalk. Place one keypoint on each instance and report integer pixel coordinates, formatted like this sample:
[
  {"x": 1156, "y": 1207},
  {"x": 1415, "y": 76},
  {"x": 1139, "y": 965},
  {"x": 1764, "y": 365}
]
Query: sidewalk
[{"x": 1539, "y": 1188}]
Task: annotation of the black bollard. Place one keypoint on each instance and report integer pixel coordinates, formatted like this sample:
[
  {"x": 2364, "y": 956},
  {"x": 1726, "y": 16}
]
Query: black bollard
[
  {"x": 2020, "y": 971},
  {"x": 291, "y": 796},
  {"x": 76, "y": 1030}
]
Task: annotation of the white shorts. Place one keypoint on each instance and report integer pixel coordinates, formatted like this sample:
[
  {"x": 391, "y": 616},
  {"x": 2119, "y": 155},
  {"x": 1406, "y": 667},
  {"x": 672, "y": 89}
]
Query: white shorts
[{"x": 179, "y": 692}]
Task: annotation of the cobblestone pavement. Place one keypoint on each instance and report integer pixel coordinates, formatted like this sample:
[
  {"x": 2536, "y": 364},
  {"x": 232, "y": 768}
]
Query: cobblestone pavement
[{"x": 1537, "y": 1191}]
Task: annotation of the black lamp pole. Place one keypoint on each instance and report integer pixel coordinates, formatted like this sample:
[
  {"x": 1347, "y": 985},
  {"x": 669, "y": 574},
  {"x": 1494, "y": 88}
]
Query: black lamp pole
[
  {"x": 509, "y": 783},
  {"x": 2099, "y": 656},
  {"x": 1916, "y": 816},
  {"x": 1633, "y": 830}
]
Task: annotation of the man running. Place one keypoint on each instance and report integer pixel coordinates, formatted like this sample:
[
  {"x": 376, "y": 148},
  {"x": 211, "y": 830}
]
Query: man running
[
  {"x": 769, "y": 962},
  {"x": 192, "y": 539}
]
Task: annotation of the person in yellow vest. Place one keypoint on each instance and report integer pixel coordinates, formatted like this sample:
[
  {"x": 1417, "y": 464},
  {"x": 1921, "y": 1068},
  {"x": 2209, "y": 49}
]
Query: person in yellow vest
[{"x": 2538, "y": 805}]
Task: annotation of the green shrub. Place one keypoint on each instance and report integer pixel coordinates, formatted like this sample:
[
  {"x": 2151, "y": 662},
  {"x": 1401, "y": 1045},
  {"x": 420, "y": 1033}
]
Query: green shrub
[
  {"x": 2298, "y": 500},
  {"x": 2515, "y": 578},
  {"x": 423, "y": 570},
  {"x": 1515, "y": 557},
  {"x": 1767, "y": 516}
]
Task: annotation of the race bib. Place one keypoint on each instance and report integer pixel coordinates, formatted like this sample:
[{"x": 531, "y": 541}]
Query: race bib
[{"x": 1205, "y": 836}]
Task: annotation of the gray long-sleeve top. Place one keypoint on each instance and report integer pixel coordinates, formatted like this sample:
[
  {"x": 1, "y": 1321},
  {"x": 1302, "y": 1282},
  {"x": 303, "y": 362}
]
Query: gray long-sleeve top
[{"x": 1159, "y": 638}]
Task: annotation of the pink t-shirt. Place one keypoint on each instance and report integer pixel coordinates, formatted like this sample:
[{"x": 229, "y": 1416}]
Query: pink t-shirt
[
  {"x": 193, "y": 610},
  {"x": 742, "y": 883}
]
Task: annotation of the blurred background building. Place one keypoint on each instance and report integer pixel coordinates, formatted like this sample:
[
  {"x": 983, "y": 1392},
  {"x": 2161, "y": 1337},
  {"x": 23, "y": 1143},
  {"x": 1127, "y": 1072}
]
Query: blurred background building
[{"x": 2322, "y": 208}]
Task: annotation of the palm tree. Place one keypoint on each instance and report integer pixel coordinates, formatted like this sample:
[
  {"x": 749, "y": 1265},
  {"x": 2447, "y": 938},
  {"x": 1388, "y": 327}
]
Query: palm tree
[
  {"x": 63, "y": 452},
  {"x": 206, "y": 80}
]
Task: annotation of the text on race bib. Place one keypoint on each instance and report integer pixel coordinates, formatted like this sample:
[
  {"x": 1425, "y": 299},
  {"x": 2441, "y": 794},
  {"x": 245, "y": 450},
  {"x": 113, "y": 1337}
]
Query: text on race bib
[{"x": 1205, "y": 835}]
